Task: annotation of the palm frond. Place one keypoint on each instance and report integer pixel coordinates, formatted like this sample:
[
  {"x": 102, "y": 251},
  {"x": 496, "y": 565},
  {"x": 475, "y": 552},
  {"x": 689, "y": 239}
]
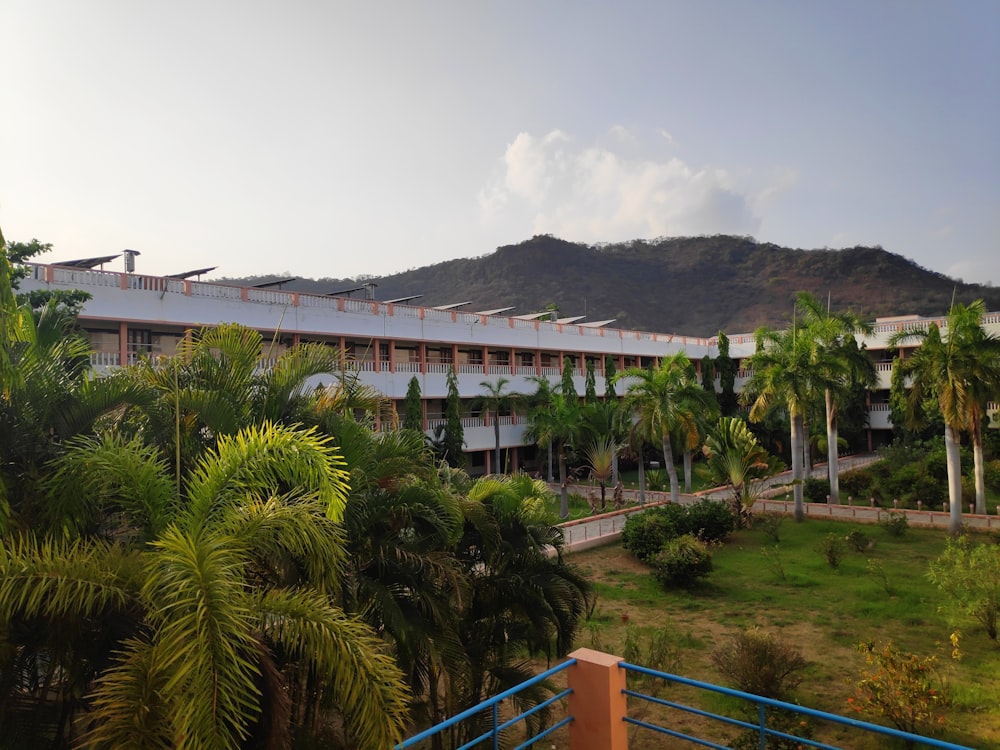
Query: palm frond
[{"x": 367, "y": 685}]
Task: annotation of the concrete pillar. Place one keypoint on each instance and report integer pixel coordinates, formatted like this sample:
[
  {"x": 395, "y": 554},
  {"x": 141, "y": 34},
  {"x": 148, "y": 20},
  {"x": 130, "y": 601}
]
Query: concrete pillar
[{"x": 597, "y": 703}]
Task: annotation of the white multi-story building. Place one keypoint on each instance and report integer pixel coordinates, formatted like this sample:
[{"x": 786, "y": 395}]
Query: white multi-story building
[{"x": 131, "y": 315}]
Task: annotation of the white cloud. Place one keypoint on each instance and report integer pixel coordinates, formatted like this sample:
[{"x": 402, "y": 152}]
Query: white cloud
[
  {"x": 622, "y": 133},
  {"x": 592, "y": 193}
]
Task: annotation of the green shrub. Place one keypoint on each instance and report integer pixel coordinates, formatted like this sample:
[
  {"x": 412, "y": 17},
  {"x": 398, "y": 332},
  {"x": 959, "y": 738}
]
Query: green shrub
[
  {"x": 769, "y": 524},
  {"x": 644, "y": 534},
  {"x": 903, "y": 687},
  {"x": 758, "y": 662},
  {"x": 682, "y": 561},
  {"x": 858, "y": 541},
  {"x": 895, "y": 524},
  {"x": 815, "y": 490},
  {"x": 709, "y": 520},
  {"x": 935, "y": 465},
  {"x": 832, "y": 548},
  {"x": 991, "y": 475},
  {"x": 657, "y": 480},
  {"x": 857, "y": 483}
]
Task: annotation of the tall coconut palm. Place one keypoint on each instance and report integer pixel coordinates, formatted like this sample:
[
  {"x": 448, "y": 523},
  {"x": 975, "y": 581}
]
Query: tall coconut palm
[
  {"x": 556, "y": 422},
  {"x": 211, "y": 602},
  {"x": 783, "y": 378},
  {"x": 841, "y": 365},
  {"x": 955, "y": 367},
  {"x": 965, "y": 326},
  {"x": 662, "y": 398},
  {"x": 565, "y": 426},
  {"x": 539, "y": 417},
  {"x": 495, "y": 400}
]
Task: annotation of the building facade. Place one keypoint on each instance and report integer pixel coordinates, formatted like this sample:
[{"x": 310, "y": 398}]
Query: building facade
[{"x": 132, "y": 315}]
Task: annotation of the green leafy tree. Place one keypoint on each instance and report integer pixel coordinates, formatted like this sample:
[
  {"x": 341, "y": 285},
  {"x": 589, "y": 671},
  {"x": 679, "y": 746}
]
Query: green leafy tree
[
  {"x": 726, "y": 368},
  {"x": 69, "y": 301},
  {"x": 453, "y": 435},
  {"x": 609, "y": 378},
  {"x": 708, "y": 380},
  {"x": 413, "y": 407},
  {"x": 663, "y": 399},
  {"x": 566, "y": 385},
  {"x": 590, "y": 384},
  {"x": 969, "y": 575}
]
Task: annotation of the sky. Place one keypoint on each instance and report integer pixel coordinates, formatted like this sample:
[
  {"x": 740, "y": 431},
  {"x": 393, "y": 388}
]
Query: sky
[{"x": 333, "y": 139}]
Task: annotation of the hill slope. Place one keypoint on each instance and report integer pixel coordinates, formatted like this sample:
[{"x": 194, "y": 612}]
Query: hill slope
[{"x": 691, "y": 285}]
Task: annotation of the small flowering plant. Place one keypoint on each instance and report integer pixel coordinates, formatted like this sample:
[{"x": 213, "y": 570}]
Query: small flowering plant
[{"x": 902, "y": 687}]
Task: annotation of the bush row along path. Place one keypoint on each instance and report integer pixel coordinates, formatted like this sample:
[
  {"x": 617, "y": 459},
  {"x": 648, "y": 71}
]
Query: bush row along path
[{"x": 606, "y": 528}]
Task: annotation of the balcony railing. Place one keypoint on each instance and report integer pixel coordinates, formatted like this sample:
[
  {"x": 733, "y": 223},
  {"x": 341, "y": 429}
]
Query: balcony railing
[{"x": 595, "y": 713}]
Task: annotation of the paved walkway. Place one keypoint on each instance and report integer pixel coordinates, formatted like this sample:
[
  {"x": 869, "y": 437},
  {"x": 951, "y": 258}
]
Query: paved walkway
[{"x": 606, "y": 528}]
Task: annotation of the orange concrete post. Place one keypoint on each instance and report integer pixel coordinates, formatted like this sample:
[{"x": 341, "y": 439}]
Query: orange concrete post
[{"x": 597, "y": 703}]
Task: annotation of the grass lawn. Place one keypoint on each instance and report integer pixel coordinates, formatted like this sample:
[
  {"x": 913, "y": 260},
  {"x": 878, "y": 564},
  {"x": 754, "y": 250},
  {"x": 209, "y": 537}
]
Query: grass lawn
[{"x": 875, "y": 595}]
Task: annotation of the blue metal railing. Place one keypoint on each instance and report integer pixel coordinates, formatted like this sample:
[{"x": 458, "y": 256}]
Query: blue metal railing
[
  {"x": 496, "y": 726},
  {"x": 761, "y": 727}
]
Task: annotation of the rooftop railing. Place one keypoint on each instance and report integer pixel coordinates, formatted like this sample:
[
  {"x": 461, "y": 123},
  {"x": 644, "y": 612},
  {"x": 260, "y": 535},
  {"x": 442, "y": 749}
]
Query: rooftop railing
[{"x": 594, "y": 714}]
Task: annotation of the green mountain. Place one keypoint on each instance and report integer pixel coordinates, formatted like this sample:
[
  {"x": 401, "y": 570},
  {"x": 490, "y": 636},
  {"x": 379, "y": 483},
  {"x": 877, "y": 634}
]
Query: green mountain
[{"x": 687, "y": 285}]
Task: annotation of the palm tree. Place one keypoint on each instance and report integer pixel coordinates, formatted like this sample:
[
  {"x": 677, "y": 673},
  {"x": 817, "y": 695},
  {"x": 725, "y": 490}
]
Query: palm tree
[
  {"x": 734, "y": 458},
  {"x": 965, "y": 326},
  {"x": 541, "y": 419},
  {"x": 841, "y": 365},
  {"x": 606, "y": 422},
  {"x": 496, "y": 400},
  {"x": 959, "y": 369},
  {"x": 402, "y": 522},
  {"x": 564, "y": 429},
  {"x": 783, "y": 378},
  {"x": 705, "y": 408},
  {"x": 662, "y": 399},
  {"x": 600, "y": 455},
  {"x": 525, "y": 600},
  {"x": 47, "y": 396},
  {"x": 210, "y": 601},
  {"x": 216, "y": 386}
]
